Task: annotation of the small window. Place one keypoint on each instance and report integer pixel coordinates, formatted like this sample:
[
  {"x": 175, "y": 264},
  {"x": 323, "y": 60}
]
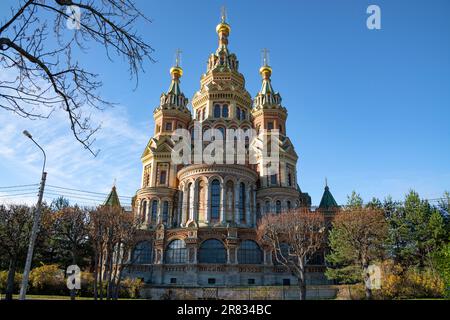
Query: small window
[
  {"x": 225, "y": 111},
  {"x": 173, "y": 280},
  {"x": 251, "y": 281},
  {"x": 163, "y": 177},
  {"x": 270, "y": 125},
  {"x": 286, "y": 282},
  {"x": 217, "y": 111},
  {"x": 168, "y": 126},
  {"x": 273, "y": 179},
  {"x": 238, "y": 113},
  {"x": 211, "y": 281}
]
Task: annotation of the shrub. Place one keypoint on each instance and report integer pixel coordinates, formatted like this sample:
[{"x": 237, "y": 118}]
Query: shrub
[
  {"x": 48, "y": 279},
  {"x": 4, "y": 280},
  {"x": 130, "y": 288},
  {"x": 412, "y": 283}
]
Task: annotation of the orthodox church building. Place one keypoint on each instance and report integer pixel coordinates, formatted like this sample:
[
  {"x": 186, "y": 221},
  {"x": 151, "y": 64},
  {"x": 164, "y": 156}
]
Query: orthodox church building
[{"x": 198, "y": 221}]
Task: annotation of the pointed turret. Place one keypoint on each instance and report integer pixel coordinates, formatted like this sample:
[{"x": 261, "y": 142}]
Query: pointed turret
[
  {"x": 327, "y": 201},
  {"x": 266, "y": 96},
  {"x": 174, "y": 96},
  {"x": 172, "y": 112},
  {"x": 112, "y": 199}
]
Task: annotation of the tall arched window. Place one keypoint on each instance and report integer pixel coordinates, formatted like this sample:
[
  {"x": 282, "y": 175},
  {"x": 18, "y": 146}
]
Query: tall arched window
[
  {"x": 250, "y": 253},
  {"x": 267, "y": 207},
  {"x": 215, "y": 200},
  {"x": 242, "y": 202},
  {"x": 288, "y": 205},
  {"x": 216, "y": 111},
  {"x": 258, "y": 212},
  {"x": 225, "y": 111},
  {"x": 176, "y": 252},
  {"x": 154, "y": 210},
  {"x": 238, "y": 113},
  {"x": 278, "y": 206},
  {"x": 165, "y": 213},
  {"x": 142, "y": 253},
  {"x": 212, "y": 251},
  {"x": 243, "y": 115}
]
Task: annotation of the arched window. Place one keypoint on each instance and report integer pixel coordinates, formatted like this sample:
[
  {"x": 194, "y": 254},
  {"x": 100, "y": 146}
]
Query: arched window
[
  {"x": 238, "y": 113},
  {"x": 278, "y": 206},
  {"x": 154, "y": 210},
  {"x": 165, "y": 213},
  {"x": 288, "y": 205},
  {"x": 289, "y": 179},
  {"x": 142, "y": 253},
  {"x": 258, "y": 211},
  {"x": 267, "y": 207},
  {"x": 216, "y": 111},
  {"x": 242, "y": 202},
  {"x": 250, "y": 253},
  {"x": 212, "y": 251},
  {"x": 215, "y": 200},
  {"x": 176, "y": 252},
  {"x": 225, "y": 111},
  {"x": 243, "y": 115}
]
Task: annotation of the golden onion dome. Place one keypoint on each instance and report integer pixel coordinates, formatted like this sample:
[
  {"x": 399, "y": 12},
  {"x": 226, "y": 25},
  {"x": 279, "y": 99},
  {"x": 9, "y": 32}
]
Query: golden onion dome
[
  {"x": 265, "y": 71},
  {"x": 176, "y": 71},
  {"x": 223, "y": 27}
]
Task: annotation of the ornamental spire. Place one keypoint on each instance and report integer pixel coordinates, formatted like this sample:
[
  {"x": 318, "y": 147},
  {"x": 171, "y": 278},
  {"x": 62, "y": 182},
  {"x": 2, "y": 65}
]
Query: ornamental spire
[
  {"x": 223, "y": 29},
  {"x": 266, "y": 72},
  {"x": 176, "y": 72}
]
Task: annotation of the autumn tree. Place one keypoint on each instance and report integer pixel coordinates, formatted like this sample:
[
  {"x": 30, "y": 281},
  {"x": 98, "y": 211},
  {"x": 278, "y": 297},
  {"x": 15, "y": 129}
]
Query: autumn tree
[
  {"x": 70, "y": 236},
  {"x": 40, "y": 41},
  {"x": 113, "y": 234},
  {"x": 15, "y": 228},
  {"x": 356, "y": 240},
  {"x": 294, "y": 237}
]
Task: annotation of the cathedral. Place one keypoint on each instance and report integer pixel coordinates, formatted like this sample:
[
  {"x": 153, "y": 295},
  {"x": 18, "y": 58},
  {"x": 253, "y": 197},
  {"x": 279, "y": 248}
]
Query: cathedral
[{"x": 198, "y": 220}]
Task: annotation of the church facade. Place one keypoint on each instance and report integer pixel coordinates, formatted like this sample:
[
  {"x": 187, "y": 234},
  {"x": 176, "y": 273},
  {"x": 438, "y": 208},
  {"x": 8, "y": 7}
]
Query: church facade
[{"x": 198, "y": 220}]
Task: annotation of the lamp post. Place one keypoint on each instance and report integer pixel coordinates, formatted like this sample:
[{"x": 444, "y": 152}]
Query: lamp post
[{"x": 34, "y": 230}]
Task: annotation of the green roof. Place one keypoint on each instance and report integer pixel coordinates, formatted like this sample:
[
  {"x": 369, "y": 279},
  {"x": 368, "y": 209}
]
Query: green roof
[
  {"x": 327, "y": 200},
  {"x": 113, "y": 198}
]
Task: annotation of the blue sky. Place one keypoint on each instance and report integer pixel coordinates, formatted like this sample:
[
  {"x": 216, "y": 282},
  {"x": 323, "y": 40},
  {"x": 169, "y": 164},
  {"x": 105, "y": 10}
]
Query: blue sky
[{"x": 368, "y": 109}]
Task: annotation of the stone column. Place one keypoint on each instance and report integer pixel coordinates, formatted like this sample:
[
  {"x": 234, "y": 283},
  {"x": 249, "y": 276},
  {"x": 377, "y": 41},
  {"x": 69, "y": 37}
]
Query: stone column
[
  {"x": 184, "y": 208},
  {"x": 236, "y": 203},
  {"x": 147, "y": 212},
  {"x": 222, "y": 202},
  {"x": 207, "y": 202},
  {"x": 159, "y": 216},
  {"x": 193, "y": 202}
]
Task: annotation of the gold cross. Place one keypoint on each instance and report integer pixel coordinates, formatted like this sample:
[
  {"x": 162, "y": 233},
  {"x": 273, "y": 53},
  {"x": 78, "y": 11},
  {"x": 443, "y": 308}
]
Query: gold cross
[
  {"x": 265, "y": 57},
  {"x": 178, "y": 57},
  {"x": 223, "y": 14}
]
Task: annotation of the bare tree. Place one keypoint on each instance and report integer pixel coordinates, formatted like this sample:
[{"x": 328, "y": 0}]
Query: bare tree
[
  {"x": 113, "y": 233},
  {"x": 294, "y": 237},
  {"x": 40, "y": 74}
]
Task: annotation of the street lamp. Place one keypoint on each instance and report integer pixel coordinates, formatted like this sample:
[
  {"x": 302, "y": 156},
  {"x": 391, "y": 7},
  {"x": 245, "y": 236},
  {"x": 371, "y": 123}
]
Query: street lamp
[{"x": 34, "y": 231}]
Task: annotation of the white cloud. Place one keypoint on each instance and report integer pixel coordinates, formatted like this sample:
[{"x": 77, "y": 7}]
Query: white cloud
[{"x": 68, "y": 164}]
